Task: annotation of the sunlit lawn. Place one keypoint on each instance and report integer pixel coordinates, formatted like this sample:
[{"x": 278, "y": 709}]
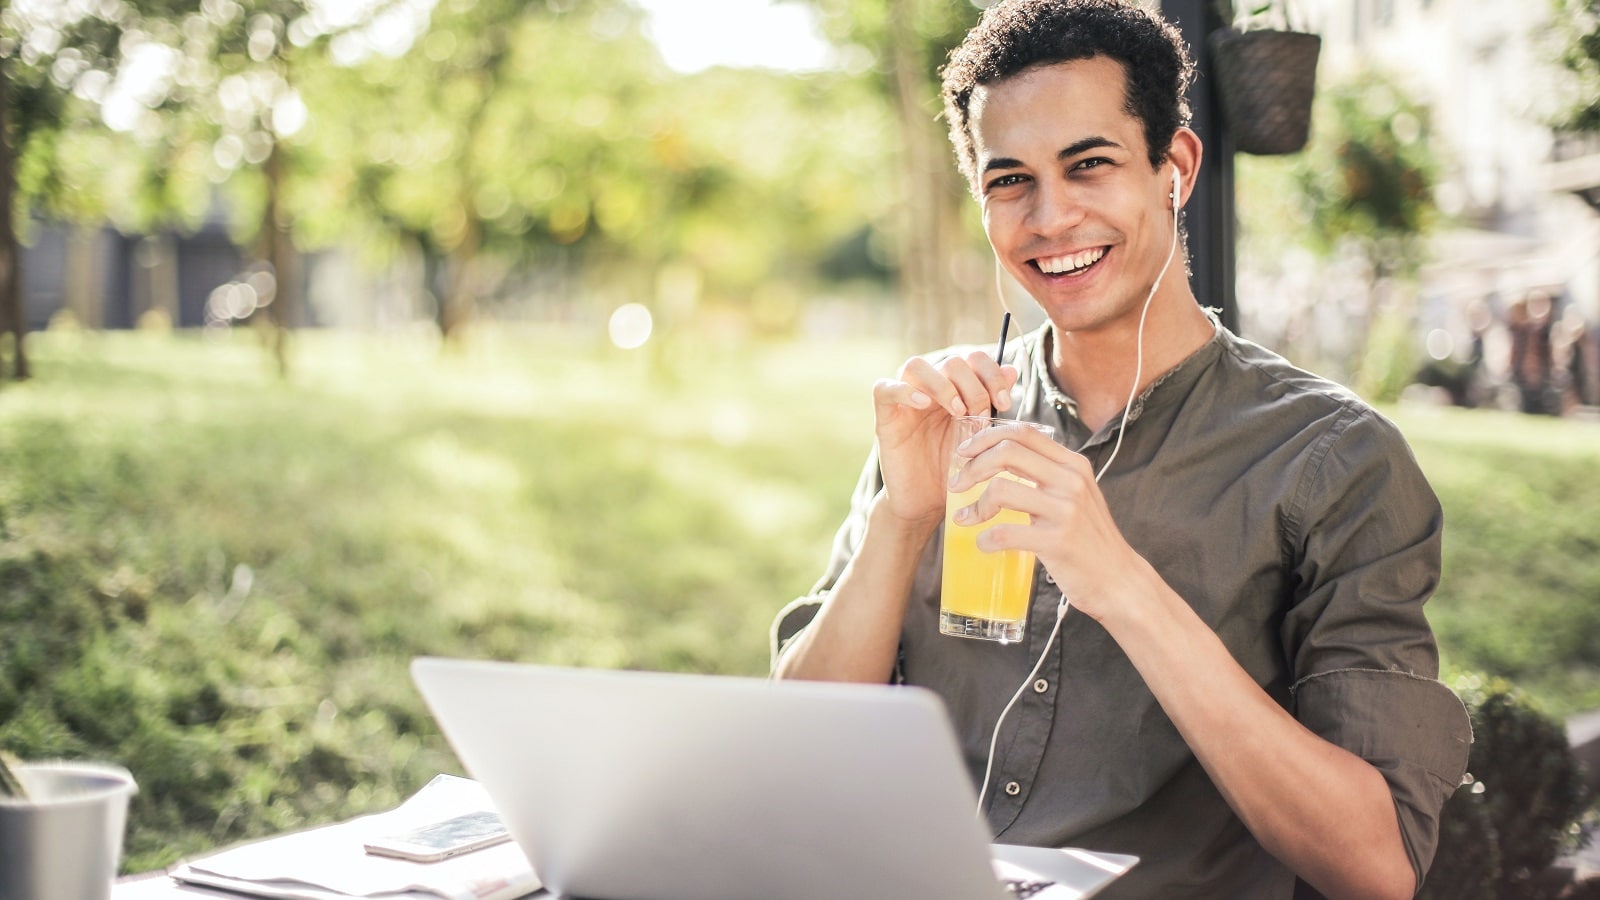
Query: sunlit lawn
[
  {"x": 1520, "y": 596},
  {"x": 217, "y": 578}
]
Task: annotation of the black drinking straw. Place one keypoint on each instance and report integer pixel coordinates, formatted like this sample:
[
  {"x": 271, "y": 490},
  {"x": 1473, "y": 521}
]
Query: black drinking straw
[{"x": 1000, "y": 351}]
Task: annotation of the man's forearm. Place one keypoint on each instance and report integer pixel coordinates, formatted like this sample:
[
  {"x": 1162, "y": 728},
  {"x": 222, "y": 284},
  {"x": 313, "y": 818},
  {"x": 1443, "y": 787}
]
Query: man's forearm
[
  {"x": 856, "y": 634},
  {"x": 1324, "y": 812}
]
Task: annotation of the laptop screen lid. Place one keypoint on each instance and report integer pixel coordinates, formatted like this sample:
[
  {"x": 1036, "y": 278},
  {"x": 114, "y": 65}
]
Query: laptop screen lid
[{"x": 651, "y": 786}]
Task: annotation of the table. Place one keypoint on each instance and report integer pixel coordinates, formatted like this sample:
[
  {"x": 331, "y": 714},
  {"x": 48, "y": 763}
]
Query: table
[{"x": 157, "y": 886}]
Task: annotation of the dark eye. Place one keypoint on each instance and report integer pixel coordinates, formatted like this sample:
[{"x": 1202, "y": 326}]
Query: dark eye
[
  {"x": 1093, "y": 163},
  {"x": 1004, "y": 181}
]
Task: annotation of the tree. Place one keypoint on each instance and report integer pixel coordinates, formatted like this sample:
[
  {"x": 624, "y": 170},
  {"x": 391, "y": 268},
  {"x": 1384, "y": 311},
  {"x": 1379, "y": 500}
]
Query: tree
[
  {"x": 48, "y": 51},
  {"x": 1359, "y": 198},
  {"x": 479, "y": 146},
  {"x": 205, "y": 90},
  {"x": 942, "y": 278},
  {"x": 237, "y": 95},
  {"x": 518, "y": 139},
  {"x": 1577, "y": 37}
]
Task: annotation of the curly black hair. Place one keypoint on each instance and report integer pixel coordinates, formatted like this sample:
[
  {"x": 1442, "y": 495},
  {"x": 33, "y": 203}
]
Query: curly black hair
[{"x": 1015, "y": 35}]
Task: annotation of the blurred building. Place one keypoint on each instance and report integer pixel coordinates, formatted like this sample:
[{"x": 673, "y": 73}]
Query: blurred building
[
  {"x": 107, "y": 279},
  {"x": 1522, "y": 200}
]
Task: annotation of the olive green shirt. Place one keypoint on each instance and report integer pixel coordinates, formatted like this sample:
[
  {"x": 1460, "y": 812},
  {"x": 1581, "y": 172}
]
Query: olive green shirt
[{"x": 1293, "y": 518}]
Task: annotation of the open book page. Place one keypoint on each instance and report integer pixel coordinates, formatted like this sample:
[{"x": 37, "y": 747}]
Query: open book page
[{"x": 331, "y": 862}]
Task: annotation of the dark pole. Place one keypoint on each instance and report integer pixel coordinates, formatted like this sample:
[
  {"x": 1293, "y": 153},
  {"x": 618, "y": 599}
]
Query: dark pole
[{"x": 1209, "y": 214}]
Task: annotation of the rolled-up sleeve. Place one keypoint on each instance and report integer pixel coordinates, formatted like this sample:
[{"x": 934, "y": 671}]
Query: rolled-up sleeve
[
  {"x": 793, "y": 618},
  {"x": 1413, "y": 730},
  {"x": 1364, "y": 660}
]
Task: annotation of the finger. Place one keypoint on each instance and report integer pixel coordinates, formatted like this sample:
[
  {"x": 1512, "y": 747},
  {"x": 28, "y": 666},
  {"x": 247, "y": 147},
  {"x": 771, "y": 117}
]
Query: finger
[
  {"x": 1029, "y": 451},
  {"x": 934, "y": 383},
  {"x": 1024, "y": 433},
  {"x": 1007, "y": 537},
  {"x": 1072, "y": 477},
  {"x": 888, "y": 394},
  {"x": 974, "y": 396},
  {"x": 1003, "y": 494},
  {"x": 995, "y": 378},
  {"x": 1035, "y": 459}
]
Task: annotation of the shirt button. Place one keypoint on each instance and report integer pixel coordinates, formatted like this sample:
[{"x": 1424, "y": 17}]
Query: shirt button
[
  {"x": 1041, "y": 686},
  {"x": 1048, "y": 578},
  {"x": 1013, "y": 788}
]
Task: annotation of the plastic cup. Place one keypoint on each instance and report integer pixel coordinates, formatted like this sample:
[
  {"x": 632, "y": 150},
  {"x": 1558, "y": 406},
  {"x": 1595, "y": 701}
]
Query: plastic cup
[
  {"x": 983, "y": 594},
  {"x": 64, "y": 841}
]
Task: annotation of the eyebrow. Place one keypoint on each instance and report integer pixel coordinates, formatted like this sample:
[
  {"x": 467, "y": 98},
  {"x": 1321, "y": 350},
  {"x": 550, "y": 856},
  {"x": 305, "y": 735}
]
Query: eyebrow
[{"x": 1093, "y": 142}]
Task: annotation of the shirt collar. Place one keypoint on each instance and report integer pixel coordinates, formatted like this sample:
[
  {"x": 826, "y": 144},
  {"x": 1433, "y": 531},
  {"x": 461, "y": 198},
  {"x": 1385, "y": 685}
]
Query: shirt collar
[{"x": 1171, "y": 386}]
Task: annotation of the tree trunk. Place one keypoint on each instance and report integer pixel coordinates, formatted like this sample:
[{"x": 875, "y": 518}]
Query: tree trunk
[
  {"x": 13, "y": 315},
  {"x": 918, "y": 231},
  {"x": 460, "y": 300},
  {"x": 84, "y": 277},
  {"x": 937, "y": 264},
  {"x": 277, "y": 251}
]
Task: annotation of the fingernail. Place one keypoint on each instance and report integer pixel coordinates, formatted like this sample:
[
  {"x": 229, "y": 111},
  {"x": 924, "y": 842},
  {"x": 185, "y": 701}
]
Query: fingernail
[
  {"x": 1002, "y": 402},
  {"x": 919, "y": 399},
  {"x": 964, "y": 515},
  {"x": 957, "y": 408}
]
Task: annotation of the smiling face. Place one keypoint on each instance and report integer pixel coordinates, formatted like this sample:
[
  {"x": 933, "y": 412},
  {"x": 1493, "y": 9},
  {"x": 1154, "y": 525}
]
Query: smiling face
[{"x": 1071, "y": 204}]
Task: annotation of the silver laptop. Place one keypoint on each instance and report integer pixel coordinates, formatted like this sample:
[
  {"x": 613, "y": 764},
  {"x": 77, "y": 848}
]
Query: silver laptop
[{"x": 650, "y": 786}]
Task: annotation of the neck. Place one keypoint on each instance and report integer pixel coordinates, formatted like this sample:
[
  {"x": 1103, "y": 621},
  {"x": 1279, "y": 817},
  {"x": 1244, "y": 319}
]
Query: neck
[{"x": 1096, "y": 367}]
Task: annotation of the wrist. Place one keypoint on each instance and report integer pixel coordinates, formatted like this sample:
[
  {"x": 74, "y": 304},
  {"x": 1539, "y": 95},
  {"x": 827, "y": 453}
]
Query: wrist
[
  {"x": 1131, "y": 604},
  {"x": 911, "y": 530}
]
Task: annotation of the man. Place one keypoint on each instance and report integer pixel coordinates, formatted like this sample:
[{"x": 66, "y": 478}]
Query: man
[{"x": 1243, "y": 693}]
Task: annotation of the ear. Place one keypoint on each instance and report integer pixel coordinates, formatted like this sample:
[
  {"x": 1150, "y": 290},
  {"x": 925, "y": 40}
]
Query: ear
[{"x": 1184, "y": 153}]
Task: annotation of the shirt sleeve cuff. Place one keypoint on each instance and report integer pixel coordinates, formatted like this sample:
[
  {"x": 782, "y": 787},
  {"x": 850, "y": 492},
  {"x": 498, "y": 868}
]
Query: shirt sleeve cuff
[
  {"x": 1413, "y": 730},
  {"x": 790, "y": 621}
]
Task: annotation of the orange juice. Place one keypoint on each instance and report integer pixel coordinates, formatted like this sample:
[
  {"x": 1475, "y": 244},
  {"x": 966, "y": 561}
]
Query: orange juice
[{"x": 983, "y": 594}]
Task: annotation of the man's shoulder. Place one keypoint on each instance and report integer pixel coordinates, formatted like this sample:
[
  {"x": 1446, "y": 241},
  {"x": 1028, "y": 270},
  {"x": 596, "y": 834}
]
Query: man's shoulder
[
  {"x": 1269, "y": 378},
  {"x": 1262, "y": 384},
  {"x": 1247, "y": 359}
]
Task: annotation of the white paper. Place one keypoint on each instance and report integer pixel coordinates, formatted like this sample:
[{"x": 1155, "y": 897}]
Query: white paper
[
  {"x": 331, "y": 861},
  {"x": 1072, "y": 874}
]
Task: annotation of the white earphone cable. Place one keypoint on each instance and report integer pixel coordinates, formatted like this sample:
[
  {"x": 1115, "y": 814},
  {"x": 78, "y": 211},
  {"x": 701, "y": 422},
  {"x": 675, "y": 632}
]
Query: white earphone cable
[{"x": 1062, "y": 607}]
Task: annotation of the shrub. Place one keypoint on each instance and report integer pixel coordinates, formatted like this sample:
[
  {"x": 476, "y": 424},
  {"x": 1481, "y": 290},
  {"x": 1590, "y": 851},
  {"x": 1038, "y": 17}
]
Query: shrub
[{"x": 1520, "y": 810}]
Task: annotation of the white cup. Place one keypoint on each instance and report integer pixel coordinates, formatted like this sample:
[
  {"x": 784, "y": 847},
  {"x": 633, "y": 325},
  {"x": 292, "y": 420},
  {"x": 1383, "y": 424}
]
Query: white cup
[{"x": 64, "y": 841}]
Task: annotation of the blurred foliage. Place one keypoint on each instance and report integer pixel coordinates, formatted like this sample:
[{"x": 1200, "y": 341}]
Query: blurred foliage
[
  {"x": 1501, "y": 832},
  {"x": 1391, "y": 356},
  {"x": 1368, "y": 174},
  {"x": 1358, "y": 200},
  {"x": 486, "y": 138},
  {"x": 900, "y": 46},
  {"x": 1365, "y": 178},
  {"x": 1262, "y": 15},
  {"x": 572, "y": 134},
  {"x": 1576, "y": 32}
]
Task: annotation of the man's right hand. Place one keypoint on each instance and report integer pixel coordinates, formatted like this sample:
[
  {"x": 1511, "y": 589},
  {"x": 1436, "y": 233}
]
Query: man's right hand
[{"x": 913, "y": 420}]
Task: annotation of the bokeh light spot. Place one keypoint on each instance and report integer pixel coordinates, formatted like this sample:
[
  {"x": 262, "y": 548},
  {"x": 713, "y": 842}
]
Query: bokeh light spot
[{"x": 630, "y": 326}]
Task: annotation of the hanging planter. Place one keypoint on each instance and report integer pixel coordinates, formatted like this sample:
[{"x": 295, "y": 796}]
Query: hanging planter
[{"x": 1266, "y": 75}]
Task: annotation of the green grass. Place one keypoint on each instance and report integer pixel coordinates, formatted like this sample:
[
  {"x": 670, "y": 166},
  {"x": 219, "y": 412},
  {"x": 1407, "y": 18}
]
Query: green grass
[
  {"x": 1520, "y": 595},
  {"x": 217, "y": 578}
]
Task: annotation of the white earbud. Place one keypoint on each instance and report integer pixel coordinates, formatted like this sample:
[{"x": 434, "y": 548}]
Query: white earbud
[{"x": 1175, "y": 187}]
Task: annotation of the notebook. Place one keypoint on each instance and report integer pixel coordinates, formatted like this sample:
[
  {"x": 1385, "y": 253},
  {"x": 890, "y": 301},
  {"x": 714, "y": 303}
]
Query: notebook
[{"x": 651, "y": 786}]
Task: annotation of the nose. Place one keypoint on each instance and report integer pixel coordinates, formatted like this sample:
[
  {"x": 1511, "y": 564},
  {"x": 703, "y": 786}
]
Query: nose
[{"x": 1055, "y": 209}]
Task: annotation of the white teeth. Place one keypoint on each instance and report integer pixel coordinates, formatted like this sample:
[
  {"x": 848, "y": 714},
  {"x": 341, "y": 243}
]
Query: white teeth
[{"x": 1072, "y": 261}]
